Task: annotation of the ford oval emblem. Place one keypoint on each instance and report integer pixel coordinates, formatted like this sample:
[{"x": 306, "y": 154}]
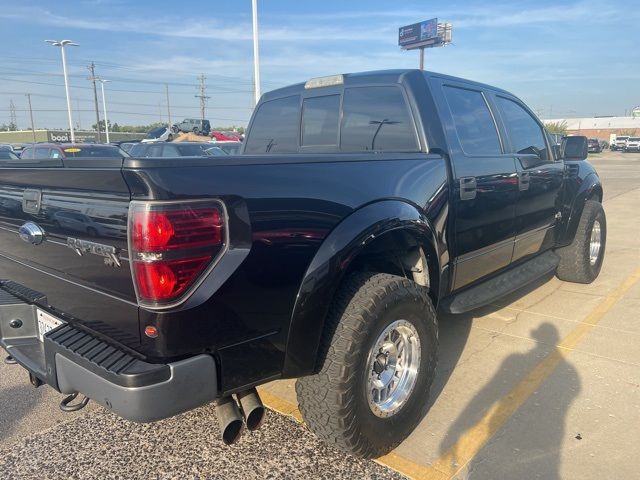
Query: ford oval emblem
[{"x": 31, "y": 233}]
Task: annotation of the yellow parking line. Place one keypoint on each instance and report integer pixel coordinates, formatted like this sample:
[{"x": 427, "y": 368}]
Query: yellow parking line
[{"x": 472, "y": 441}]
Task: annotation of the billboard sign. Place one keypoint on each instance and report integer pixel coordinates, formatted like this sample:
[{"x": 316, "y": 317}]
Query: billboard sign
[{"x": 418, "y": 34}]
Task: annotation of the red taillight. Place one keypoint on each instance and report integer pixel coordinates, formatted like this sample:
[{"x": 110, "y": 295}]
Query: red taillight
[
  {"x": 178, "y": 229},
  {"x": 171, "y": 246}
]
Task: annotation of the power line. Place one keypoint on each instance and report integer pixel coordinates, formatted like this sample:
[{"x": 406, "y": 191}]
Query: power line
[{"x": 118, "y": 112}]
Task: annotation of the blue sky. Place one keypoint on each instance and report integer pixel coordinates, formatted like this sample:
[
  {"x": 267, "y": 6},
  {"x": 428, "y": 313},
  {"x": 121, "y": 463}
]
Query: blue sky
[{"x": 575, "y": 58}]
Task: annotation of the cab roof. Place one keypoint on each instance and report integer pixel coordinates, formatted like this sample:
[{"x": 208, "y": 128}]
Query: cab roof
[{"x": 377, "y": 76}]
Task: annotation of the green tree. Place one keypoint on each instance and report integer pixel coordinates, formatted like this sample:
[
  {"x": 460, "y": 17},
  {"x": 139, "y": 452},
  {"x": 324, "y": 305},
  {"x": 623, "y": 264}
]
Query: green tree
[{"x": 557, "y": 127}]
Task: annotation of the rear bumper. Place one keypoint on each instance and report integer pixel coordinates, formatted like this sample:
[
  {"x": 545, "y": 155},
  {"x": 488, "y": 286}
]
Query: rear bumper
[{"x": 71, "y": 359}]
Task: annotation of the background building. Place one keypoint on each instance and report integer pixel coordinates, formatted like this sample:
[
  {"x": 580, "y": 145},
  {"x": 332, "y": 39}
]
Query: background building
[
  {"x": 600, "y": 127},
  {"x": 26, "y": 136}
]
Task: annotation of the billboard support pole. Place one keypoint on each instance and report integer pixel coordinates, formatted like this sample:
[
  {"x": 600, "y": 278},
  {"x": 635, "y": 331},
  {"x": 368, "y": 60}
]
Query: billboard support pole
[{"x": 421, "y": 58}]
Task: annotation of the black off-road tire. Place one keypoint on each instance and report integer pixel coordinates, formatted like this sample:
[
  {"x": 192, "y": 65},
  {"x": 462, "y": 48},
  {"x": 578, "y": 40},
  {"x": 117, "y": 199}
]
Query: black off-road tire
[
  {"x": 334, "y": 401},
  {"x": 575, "y": 265}
]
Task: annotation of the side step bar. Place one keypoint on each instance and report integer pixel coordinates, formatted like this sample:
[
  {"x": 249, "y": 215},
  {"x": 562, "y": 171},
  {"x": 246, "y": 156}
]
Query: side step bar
[{"x": 503, "y": 284}]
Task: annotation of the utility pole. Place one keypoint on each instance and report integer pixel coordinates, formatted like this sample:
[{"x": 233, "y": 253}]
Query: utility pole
[
  {"x": 93, "y": 78},
  {"x": 13, "y": 121},
  {"x": 33, "y": 128},
  {"x": 256, "y": 53},
  {"x": 166, "y": 89},
  {"x": 203, "y": 97}
]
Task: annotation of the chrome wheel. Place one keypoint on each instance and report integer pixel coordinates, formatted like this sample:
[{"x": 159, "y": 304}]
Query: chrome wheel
[
  {"x": 393, "y": 366},
  {"x": 595, "y": 243}
]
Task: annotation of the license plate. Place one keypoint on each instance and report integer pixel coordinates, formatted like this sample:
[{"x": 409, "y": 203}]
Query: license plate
[{"x": 46, "y": 322}]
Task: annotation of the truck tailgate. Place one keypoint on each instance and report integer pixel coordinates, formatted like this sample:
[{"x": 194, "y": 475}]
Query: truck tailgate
[{"x": 81, "y": 266}]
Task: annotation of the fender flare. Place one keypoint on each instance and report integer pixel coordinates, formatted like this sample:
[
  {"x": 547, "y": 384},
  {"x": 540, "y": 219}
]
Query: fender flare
[
  {"x": 590, "y": 185},
  {"x": 327, "y": 269}
]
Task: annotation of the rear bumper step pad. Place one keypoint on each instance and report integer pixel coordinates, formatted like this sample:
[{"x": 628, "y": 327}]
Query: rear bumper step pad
[{"x": 71, "y": 359}]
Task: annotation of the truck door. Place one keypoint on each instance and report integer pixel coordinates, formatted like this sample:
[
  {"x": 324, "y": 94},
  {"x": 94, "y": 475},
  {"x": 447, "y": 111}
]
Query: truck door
[
  {"x": 485, "y": 183},
  {"x": 540, "y": 178}
]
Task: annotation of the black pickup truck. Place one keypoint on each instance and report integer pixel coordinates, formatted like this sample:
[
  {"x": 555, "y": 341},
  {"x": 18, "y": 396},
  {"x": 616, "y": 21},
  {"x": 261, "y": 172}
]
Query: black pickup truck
[{"x": 360, "y": 205}]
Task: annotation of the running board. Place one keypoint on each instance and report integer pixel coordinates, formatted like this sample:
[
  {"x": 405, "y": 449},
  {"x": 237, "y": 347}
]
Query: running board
[{"x": 503, "y": 284}]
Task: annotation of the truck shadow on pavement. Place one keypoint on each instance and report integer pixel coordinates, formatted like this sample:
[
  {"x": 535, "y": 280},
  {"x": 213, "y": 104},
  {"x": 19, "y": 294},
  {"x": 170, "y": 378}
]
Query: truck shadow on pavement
[
  {"x": 530, "y": 446},
  {"x": 17, "y": 403}
]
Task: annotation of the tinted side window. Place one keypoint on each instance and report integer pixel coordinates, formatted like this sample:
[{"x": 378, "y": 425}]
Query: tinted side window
[
  {"x": 525, "y": 133},
  {"x": 376, "y": 118},
  {"x": 473, "y": 121},
  {"x": 170, "y": 151},
  {"x": 27, "y": 154},
  {"x": 41, "y": 153},
  {"x": 192, "y": 150},
  {"x": 275, "y": 127},
  {"x": 138, "y": 150},
  {"x": 154, "y": 151},
  {"x": 320, "y": 116}
]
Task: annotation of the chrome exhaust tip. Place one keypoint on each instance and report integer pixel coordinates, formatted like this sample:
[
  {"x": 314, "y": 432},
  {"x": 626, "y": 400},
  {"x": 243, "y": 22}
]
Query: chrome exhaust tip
[
  {"x": 252, "y": 408},
  {"x": 229, "y": 419}
]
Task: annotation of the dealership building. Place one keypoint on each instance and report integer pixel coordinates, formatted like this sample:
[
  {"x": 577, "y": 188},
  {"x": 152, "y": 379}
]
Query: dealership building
[
  {"x": 22, "y": 137},
  {"x": 600, "y": 127}
]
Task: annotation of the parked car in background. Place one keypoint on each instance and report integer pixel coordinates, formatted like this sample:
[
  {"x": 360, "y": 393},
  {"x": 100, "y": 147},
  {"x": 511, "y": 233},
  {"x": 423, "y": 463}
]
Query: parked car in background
[
  {"x": 160, "y": 134},
  {"x": 194, "y": 125},
  {"x": 221, "y": 136},
  {"x": 67, "y": 151},
  {"x": 173, "y": 149},
  {"x": 215, "y": 151},
  {"x": 8, "y": 155},
  {"x": 594, "y": 145},
  {"x": 126, "y": 146},
  {"x": 620, "y": 142},
  {"x": 632, "y": 145},
  {"x": 230, "y": 148}
]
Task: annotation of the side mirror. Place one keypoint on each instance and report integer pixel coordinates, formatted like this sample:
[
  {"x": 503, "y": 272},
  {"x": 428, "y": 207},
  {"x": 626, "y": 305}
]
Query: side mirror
[{"x": 575, "y": 148}]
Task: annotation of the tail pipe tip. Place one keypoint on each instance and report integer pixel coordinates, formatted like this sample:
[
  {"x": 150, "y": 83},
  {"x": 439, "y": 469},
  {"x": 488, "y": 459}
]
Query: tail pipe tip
[
  {"x": 252, "y": 409},
  {"x": 229, "y": 419}
]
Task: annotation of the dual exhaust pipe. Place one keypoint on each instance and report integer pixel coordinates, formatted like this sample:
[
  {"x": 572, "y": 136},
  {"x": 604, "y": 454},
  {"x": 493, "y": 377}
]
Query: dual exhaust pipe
[{"x": 233, "y": 415}]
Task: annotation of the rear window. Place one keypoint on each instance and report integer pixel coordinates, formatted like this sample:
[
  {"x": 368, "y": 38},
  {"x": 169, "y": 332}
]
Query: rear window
[
  {"x": 376, "y": 118},
  {"x": 92, "y": 152},
  {"x": 634, "y": 139},
  {"x": 320, "y": 118},
  {"x": 275, "y": 127}
]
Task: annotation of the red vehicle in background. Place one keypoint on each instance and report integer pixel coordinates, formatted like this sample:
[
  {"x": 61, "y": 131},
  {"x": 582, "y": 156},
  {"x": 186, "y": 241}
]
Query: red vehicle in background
[{"x": 220, "y": 136}]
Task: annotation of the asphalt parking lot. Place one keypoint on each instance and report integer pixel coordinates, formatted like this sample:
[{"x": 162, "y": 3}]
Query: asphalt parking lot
[{"x": 544, "y": 384}]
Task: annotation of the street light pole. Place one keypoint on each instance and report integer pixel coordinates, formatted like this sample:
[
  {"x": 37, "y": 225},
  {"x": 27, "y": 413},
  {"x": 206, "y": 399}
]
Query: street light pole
[
  {"x": 104, "y": 107},
  {"x": 256, "y": 54},
  {"x": 62, "y": 44}
]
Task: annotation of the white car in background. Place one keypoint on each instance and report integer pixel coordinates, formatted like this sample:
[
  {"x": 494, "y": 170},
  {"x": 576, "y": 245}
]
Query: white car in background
[
  {"x": 160, "y": 134},
  {"x": 619, "y": 143},
  {"x": 632, "y": 145}
]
